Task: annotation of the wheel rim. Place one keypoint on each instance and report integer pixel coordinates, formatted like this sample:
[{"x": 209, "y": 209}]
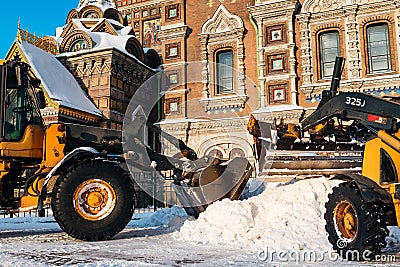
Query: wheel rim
[
  {"x": 346, "y": 221},
  {"x": 94, "y": 199}
]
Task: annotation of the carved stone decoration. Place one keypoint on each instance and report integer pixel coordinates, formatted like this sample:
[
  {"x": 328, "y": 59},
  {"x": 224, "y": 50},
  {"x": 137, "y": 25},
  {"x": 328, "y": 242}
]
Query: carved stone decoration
[
  {"x": 323, "y": 5},
  {"x": 223, "y": 30},
  {"x": 204, "y": 72},
  {"x": 168, "y": 33},
  {"x": 72, "y": 37},
  {"x": 353, "y": 55},
  {"x": 222, "y": 21},
  {"x": 326, "y": 3},
  {"x": 305, "y": 41},
  {"x": 314, "y": 6}
]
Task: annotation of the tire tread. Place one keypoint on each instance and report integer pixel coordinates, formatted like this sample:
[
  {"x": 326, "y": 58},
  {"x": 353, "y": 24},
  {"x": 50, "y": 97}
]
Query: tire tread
[{"x": 64, "y": 215}]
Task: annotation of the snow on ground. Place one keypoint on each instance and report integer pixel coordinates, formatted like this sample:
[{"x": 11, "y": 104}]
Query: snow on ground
[
  {"x": 230, "y": 233},
  {"x": 282, "y": 217},
  {"x": 170, "y": 217}
]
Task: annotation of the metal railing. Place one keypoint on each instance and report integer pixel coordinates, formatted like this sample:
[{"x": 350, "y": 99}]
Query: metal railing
[
  {"x": 153, "y": 184},
  {"x": 155, "y": 191},
  {"x": 6, "y": 213}
]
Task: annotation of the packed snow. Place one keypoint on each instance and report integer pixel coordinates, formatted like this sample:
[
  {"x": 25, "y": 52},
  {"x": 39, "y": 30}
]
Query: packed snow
[
  {"x": 169, "y": 217},
  {"x": 281, "y": 216},
  {"x": 284, "y": 217}
]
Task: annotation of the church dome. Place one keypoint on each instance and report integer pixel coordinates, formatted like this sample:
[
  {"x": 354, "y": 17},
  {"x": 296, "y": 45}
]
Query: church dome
[
  {"x": 103, "y": 4},
  {"x": 96, "y": 9}
]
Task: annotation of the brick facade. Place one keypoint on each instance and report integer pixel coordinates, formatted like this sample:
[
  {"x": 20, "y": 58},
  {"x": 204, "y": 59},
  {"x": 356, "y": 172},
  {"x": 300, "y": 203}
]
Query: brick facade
[{"x": 276, "y": 45}]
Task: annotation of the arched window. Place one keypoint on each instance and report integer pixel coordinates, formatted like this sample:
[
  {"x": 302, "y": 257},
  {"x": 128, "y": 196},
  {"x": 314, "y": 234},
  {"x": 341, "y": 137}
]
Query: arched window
[
  {"x": 132, "y": 49},
  {"x": 79, "y": 45},
  {"x": 112, "y": 16},
  {"x": 91, "y": 15},
  {"x": 225, "y": 72},
  {"x": 216, "y": 153},
  {"x": 329, "y": 49},
  {"x": 236, "y": 153},
  {"x": 379, "y": 59}
]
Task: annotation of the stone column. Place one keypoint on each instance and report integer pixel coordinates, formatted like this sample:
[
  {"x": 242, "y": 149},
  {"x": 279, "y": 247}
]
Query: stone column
[
  {"x": 305, "y": 42},
  {"x": 397, "y": 30},
  {"x": 353, "y": 42},
  {"x": 241, "y": 69},
  {"x": 204, "y": 72},
  {"x": 292, "y": 61},
  {"x": 261, "y": 63}
]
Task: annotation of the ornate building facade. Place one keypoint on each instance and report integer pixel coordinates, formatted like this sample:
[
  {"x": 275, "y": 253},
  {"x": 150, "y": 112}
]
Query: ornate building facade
[
  {"x": 201, "y": 108},
  {"x": 287, "y": 48},
  {"x": 365, "y": 32},
  {"x": 99, "y": 61},
  {"x": 278, "y": 57}
]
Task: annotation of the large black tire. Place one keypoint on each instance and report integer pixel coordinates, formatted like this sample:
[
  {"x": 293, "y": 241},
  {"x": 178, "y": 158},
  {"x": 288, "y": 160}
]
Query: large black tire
[
  {"x": 357, "y": 230},
  {"x": 94, "y": 200}
]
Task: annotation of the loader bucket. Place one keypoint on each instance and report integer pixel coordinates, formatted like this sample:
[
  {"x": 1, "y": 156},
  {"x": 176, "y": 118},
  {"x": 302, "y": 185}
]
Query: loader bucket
[
  {"x": 229, "y": 184},
  {"x": 216, "y": 182}
]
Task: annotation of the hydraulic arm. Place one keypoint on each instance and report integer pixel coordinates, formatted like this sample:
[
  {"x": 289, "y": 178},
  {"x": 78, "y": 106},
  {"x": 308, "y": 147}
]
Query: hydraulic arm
[{"x": 372, "y": 112}]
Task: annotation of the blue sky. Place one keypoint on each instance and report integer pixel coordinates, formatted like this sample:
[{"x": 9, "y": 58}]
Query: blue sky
[{"x": 42, "y": 17}]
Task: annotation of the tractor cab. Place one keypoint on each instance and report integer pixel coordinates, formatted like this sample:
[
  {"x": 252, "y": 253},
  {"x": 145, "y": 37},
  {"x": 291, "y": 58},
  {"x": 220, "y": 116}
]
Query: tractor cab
[{"x": 21, "y": 126}]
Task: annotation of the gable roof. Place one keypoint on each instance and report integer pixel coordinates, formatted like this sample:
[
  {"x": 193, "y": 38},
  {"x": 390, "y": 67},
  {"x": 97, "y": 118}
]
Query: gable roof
[
  {"x": 58, "y": 82},
  {"x": 115, "y": 37}
]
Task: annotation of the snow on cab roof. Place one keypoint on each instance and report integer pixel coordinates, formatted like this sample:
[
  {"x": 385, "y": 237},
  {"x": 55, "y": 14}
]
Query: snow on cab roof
[{"x": 59, "y": 83}]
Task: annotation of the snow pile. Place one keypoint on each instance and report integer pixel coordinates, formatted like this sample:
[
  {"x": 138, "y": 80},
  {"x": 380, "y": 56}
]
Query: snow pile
[
  {"x": 172, "y": 217},
  {"x": 23, "y": 223},
  {"x": 253, "y": 188},
  {"x": 393, "y": 240},
  {"x": 284, "y": 217}
]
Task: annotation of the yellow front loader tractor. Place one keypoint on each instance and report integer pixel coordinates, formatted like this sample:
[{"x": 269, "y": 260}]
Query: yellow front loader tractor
[
  {"x": 92, "y": 197},
  {"x": 82, "y": 170},
  {"x": 362, "y": 206}
]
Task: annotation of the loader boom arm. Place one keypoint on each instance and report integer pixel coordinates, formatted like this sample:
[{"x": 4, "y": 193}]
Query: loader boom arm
[{"x": 366, "y": 109}]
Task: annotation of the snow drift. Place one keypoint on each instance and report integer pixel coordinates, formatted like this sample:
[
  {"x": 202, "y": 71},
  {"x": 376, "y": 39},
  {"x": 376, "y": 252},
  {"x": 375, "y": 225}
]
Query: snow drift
[
  {"x": 173, "y": 218},
  {"x": 284, "y": 217}
]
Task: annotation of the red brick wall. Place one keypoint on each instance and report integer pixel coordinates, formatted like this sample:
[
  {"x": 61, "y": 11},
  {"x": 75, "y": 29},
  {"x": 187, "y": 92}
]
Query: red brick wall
[{"x": 197, "y": 13}]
